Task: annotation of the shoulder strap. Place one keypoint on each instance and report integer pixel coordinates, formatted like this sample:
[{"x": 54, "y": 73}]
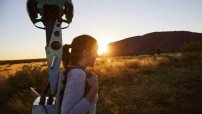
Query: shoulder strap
[
  {"x": 74, "y": 67},
  {"x": 70, "y": 68}
]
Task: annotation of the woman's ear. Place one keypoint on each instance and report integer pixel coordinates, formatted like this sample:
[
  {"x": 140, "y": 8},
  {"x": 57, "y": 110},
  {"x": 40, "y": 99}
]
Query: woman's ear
[{"x": 85, "y": 53}]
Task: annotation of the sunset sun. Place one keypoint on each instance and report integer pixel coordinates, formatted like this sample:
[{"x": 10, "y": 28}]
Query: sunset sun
[{"x": 102, "y": 47}]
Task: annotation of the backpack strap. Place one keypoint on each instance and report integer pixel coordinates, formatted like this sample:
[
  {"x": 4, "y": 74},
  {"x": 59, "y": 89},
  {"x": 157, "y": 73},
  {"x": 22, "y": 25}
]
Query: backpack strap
[{"x": 70, "y": 68}]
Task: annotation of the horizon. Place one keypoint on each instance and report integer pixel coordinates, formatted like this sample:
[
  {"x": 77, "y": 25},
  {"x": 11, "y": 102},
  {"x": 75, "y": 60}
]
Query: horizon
[
  {"x": 100, "y": 55},
  {"x": 108, "y": 44},
  {"x": 118, "y": 20}
]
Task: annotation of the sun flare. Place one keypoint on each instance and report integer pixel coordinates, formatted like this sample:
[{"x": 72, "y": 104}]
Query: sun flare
[{"x": 102, "y": 47}]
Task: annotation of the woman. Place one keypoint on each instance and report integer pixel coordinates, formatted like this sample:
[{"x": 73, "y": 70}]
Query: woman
[{"x": 77, "y": 99}]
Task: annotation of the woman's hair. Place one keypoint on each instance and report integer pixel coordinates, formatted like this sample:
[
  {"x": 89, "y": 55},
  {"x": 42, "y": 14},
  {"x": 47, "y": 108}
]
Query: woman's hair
[{"x": 79, "y": 44}]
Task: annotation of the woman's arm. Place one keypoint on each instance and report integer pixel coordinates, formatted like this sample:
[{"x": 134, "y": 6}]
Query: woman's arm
[{"x": 74, "y": 101}]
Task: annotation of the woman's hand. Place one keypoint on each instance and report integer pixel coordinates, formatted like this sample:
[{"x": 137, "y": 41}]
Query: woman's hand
[{"x": 92, "y": 82}]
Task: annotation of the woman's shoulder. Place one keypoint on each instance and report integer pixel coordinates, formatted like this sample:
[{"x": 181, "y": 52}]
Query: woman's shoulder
[{"x": 77, "y": 73}]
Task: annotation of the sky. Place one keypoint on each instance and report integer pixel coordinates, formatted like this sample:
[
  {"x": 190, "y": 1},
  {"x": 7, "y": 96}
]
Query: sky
[{"x": 106, "y": 20}]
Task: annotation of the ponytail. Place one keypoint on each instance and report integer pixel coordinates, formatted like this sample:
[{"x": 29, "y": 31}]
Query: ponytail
[{"x": 66, "y": 56}]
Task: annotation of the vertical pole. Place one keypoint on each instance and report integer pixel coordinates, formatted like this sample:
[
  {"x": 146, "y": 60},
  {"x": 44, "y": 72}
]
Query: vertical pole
[{"x": 53, "y": 52}]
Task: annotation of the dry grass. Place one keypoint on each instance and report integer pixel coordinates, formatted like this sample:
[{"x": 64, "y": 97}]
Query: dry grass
[
  {"x": 128, "y": 85},
  {"x": 148, "y": 85},
  {"x": 10, "y": 69}
]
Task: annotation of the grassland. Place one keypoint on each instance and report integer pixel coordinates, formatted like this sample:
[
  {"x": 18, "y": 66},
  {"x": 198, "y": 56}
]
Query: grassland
[{"x": 157, "y": 84}]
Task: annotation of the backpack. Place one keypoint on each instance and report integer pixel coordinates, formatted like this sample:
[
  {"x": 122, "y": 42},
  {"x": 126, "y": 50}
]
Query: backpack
[{"x": 62, "y": 81}]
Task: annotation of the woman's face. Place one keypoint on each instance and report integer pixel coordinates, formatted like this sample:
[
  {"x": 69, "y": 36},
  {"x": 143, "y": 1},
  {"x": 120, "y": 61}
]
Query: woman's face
[{"x": 92, "y": 55}]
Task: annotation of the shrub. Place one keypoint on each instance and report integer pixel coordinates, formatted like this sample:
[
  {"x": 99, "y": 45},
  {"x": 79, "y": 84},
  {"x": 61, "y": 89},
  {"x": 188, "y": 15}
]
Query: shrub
[
  {"x": 192, "y": 50},
  {"x": 16, "y": 92},
  {"x": 158, "y": 51}
]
